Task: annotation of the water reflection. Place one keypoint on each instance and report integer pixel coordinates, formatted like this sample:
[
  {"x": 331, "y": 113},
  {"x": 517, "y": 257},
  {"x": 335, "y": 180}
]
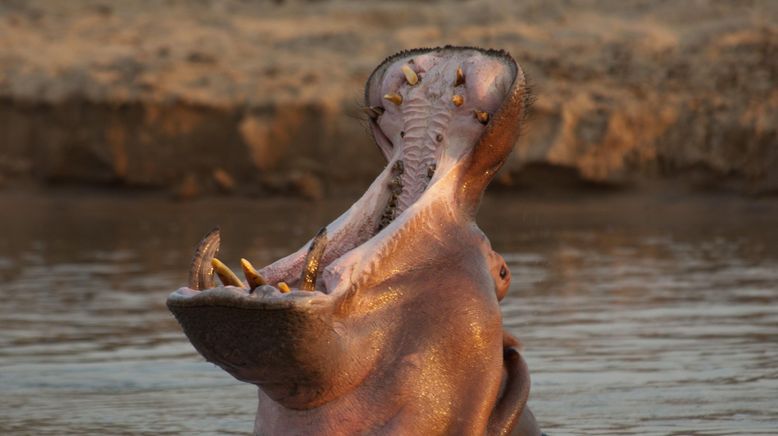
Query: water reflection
[{"x": 649, "y": 316}]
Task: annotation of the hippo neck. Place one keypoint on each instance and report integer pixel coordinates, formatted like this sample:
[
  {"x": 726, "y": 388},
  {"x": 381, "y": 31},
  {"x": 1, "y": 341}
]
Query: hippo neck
[{"x": 413, "y": 377}]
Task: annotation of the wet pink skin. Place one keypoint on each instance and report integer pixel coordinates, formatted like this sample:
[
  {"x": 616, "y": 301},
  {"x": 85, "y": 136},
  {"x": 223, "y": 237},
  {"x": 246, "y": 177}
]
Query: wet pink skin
[{"x": 403, "y": 333}]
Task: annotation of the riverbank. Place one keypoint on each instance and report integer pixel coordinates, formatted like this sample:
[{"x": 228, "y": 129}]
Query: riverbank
[{"x": 207, "y": 97}]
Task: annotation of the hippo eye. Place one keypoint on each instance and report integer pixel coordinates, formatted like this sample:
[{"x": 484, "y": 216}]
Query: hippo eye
[{"x": 503, "y": 272}]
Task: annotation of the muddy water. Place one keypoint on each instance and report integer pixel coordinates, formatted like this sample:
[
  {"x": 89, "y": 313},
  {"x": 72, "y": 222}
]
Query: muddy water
[{"x": 638, "y": 316}]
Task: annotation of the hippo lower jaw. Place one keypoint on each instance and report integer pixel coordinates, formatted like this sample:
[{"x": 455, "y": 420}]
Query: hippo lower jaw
[{"x": 390, "y": 315}]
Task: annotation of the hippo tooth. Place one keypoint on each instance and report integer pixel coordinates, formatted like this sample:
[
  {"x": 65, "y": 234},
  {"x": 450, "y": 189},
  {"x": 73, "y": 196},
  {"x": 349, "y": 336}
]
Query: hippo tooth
[
  {"x": 373, "y": 111},
  {"x": 410, "y": 75},
  {"x": 481, "y": 116},
  {"x": 457, "y": 100},
  {"x": 253, "y": 278},
  {"x": 460, "y": 77},
  {"x": 284, "y": 288},
  {"x": 313, "y": 260},
  {"x": 225, "y": 273},
  {"x": 201, "y": 271},
  {"x": 394, "y": 98}
]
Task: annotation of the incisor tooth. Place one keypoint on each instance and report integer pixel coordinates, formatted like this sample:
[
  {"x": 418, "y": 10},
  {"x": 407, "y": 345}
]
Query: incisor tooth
[
  {"x": 410, "y": 75},
  {"x": 460, "y": 77},
  {"x": 481, "y": 116},
  {"x": 225, "y": 274},
  {"x": 457, "y": 100},
  {"x": 284, "y": 288},
  {"x": 394, "y": 98},
  {"x": 253, "y": 277}
]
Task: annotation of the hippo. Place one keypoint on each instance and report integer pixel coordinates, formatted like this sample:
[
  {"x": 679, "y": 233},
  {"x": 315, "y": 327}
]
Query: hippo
[{"x": 387, "y": 321}]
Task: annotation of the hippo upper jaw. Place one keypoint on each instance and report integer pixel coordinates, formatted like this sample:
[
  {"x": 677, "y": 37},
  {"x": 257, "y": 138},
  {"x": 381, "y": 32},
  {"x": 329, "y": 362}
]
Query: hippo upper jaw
[{"x": 396, "y": 301}]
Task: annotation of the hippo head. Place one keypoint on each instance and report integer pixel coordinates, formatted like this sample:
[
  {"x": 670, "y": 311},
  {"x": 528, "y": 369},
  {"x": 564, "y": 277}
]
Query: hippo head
[{"x": 388, "y": 318}]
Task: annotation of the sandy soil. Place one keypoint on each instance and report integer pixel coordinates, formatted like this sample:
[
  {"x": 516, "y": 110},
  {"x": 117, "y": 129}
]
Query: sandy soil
[{"x": 198, "y": 96}]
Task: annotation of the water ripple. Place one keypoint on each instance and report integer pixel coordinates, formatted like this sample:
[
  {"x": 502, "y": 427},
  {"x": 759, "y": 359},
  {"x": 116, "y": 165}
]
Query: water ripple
[{"x": 631, "y": 325}]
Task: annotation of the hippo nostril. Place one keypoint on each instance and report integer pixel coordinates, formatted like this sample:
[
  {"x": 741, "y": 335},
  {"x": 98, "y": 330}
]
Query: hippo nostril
[{"x": 503, "y": 272}]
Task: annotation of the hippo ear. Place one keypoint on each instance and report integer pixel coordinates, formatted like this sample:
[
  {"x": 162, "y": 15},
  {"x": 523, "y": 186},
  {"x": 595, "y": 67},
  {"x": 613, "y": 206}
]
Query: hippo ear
[{"x": 497, "y": 141}]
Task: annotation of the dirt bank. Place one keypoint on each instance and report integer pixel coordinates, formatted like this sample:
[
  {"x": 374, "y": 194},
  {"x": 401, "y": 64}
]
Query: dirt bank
[{"x": 264, "y": 97}]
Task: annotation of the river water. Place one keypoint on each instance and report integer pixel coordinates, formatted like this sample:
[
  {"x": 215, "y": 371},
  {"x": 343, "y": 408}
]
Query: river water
[{"x": 638, "y": 315}]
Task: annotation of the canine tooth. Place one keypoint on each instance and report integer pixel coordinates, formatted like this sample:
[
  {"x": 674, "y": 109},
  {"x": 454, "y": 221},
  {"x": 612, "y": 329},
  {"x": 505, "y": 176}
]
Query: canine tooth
[
  {"x": 394, "y": 98},
  {"x": 225, "y": 273},
  {"x": 201, "y": 271},
  {"x": 313, "y": 260},
  {"x": 374, "y": 111},
  {"x": 253, "y": 277},
  {"x": 481, "y": 116},
  {"x": 284, "y": 288},
  {"x": 460, "y": 77},
  {"x": 457, "y": 100},
  {"x": 410, "y": 75}
]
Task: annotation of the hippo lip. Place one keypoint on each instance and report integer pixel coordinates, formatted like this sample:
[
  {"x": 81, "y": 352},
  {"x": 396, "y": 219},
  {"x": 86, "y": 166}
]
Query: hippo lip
[
  {"x": 233, "y": 296},
  {"x": 430, "y": 111}
]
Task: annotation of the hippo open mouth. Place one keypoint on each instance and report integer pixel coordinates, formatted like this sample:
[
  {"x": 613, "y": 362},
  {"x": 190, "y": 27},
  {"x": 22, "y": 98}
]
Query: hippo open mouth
[{"x": 390, "y": 313}]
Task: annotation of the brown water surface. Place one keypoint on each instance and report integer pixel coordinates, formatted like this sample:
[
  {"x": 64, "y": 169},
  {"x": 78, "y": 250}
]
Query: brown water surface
[{"x": 642, "y": 316}]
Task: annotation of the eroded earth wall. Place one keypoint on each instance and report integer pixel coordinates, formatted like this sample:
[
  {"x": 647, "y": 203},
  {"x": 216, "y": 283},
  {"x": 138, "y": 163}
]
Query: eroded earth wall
[{"x": 265, "y": 97}]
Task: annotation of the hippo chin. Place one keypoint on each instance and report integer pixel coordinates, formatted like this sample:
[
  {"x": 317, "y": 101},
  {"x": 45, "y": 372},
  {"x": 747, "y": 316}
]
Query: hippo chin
[{"x": 387, "y": 321}]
